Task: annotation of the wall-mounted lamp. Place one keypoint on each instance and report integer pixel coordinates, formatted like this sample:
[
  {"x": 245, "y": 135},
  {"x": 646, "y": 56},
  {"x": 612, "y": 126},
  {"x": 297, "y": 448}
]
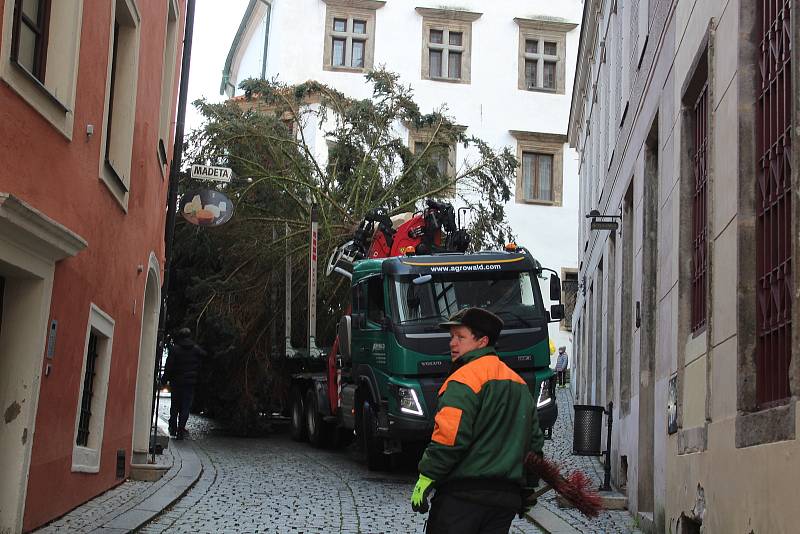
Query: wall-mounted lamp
[{"x": 601, "y": 224}]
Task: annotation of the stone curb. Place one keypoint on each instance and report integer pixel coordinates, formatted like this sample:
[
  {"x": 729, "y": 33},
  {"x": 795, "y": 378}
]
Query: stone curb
[
  {"x": 550, "y": 522},
  {"x": 156, "y": 502}
]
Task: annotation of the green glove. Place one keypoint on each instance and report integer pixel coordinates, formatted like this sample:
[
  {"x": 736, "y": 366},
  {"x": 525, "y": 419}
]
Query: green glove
[{"x": 419, "y": 499}]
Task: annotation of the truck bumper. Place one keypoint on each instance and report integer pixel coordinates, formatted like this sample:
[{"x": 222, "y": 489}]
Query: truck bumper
[
  {"x": 405, "y": 428},
  {"x": 548, "y": 415}
]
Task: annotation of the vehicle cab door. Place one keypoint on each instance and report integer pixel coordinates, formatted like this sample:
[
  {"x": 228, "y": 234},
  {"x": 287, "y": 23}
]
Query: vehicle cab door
[{"x": 368, "y": 322}]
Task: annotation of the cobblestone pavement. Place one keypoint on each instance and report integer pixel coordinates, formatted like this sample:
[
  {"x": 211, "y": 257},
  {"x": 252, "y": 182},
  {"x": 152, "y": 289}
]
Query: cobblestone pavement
[
  {"x": 94, "y": 513},
  {"x": 560, "y": 448},
  {"x": 276, "y": 485}
]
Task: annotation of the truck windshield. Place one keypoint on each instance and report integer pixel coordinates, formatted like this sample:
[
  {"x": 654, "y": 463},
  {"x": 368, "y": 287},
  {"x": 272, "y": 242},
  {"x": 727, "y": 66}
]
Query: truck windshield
[{"x": 514, "y": 296}]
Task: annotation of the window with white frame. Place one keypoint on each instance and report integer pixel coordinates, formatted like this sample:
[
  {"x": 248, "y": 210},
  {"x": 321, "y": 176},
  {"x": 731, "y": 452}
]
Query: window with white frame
[
  {"x": 447, "y": 44},
  {"x": 350, "y": 35},
  {"x": 542, "y": 54},
  {"x": 120, "y": 109},
  {"x": 540, "y": 171},
  {"x": 168, "y": 80},
  {"x": 90, "y": 415},
  {"x": 39, "y": 56}
]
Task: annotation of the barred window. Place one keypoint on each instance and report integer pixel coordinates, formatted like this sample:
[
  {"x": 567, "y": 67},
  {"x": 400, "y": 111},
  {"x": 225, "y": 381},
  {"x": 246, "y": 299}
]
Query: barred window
[
  {"x": 700, "y": 211},
  {"x": 774, "y": 202},
  {"x": 82, "y": 438}
]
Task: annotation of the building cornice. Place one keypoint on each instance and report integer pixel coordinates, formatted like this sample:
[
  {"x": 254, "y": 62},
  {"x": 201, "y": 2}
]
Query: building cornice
[
  {"x": 34, "y": 230},
  {"x": 582, "y": 68},
  {"x": 545, "y": 24},
  {"x": 539, "y": 137},
  {"x": 449, "y": 14},
  {"x": 356, "y": 4}
]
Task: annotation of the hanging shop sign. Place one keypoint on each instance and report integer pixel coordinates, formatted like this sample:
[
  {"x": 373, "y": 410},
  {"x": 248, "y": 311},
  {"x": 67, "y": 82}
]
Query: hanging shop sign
[
  {"x": 206, "y": 207},
  {"x": 207, "y": 172}
]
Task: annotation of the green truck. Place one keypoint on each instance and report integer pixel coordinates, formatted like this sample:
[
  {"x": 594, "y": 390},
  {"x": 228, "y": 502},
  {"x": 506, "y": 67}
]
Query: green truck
[{"x": 390, "y": 357}]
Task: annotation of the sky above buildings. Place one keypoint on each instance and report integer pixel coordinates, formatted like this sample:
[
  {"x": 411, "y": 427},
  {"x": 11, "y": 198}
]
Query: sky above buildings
[{"x": 215, "y": 25}]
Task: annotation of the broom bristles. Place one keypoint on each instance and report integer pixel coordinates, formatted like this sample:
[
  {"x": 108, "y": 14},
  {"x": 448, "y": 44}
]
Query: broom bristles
[{"x": 575, "y": 487}]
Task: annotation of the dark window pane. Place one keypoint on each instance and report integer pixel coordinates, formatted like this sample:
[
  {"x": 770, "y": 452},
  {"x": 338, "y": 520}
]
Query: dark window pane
[
  {"x": 30, "y": 8},
  {"x": 531, "y": 66},
  {"x": 437, "y": 36},
  {"x": 340, "y": 25},
  {"x": 456, "y": 38},
  {"x": 531, "y": 46},
  {"x": 82, "y": 439},
  {"x": 27, "y": 48},
  {"x": 545, "y": 177},
  {"x": 440, "y": 157},
  {"x": 375, "y": 302},
  {"x": 550, "y": 49},
  {"x": 359, "y": 26},
  {"x": 528, "y": 160},
  {"x": 357, "y": 54},
  {"x": 435, "y": 64},
  {"x": 549, "y": 75},
  {"x": 338, "y": 53},
  {"x": 454, "y": 65}
]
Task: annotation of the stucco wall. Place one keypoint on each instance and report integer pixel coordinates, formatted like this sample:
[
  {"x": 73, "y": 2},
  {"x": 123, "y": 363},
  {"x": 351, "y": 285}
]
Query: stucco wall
[{"x": 60, "y": 178}]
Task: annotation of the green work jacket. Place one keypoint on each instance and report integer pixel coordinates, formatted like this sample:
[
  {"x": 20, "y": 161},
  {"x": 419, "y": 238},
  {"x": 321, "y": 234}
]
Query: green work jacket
[{"x": 485, "y": 425}]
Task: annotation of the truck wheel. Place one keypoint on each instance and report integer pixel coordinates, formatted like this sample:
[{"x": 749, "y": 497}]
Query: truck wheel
[
  {"x": 298, "y": 425},
  {"x": 373, "y": 451},
  {"x": 316, "y": 427}
]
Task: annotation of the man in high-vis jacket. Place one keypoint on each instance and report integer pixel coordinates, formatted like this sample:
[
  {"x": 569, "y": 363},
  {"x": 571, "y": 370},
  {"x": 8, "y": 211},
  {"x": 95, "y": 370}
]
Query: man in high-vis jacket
[{"x": 485, "y": 425}]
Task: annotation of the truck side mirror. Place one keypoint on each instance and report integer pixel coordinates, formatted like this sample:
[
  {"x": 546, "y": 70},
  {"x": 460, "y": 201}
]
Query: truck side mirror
[
  {"x": 556, "y": 312},
  {"x": 344, "y": 334},
  {"x": 555, "y": 288}
]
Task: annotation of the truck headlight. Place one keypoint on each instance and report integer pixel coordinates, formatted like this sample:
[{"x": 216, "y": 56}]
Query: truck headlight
[
  {"x": 409, "y": 403},
  {"x": 545, "y": 396}
]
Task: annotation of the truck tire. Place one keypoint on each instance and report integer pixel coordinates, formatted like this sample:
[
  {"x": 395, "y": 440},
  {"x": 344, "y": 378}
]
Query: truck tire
[
  {"x": 297, "y": 423},
  {"x": 317, "y": 429},
  {"x": 372, "y": 446}
]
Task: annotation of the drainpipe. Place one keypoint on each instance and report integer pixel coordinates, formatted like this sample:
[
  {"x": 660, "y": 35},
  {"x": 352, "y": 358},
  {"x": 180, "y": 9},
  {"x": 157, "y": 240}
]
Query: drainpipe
[{"x": 172, "y": 199}]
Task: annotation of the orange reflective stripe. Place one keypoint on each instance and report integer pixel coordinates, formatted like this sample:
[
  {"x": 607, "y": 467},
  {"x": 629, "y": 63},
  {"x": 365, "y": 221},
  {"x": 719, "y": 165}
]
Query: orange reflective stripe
[
  {"x": 477, "y": 372},
  {"x": 445, "y": 429}
]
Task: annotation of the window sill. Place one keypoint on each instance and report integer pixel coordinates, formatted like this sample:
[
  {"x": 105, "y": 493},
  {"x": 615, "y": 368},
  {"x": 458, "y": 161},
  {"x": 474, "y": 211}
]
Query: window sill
[
  {"x": 766, "y": 426},
  {"x": 115, "y": 185},
  {"x": 85, "y": 460},
  {"x": 542, "y": 90},
  {"x": 344, "y": 69},
  {"x": 446, "y": 80},
  {"x": 536, "y": 202},
  {"x": 39, "y": 97},
  {"x": 692, "y": 440},
  {"x": 40, "y": 86}
]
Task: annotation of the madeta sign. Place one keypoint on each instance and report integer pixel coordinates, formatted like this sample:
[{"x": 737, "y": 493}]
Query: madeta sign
[{"x": 206, "y": 172}]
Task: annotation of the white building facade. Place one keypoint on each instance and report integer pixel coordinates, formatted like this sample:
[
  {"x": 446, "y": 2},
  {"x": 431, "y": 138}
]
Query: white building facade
[{"x": 504, "y": 70}]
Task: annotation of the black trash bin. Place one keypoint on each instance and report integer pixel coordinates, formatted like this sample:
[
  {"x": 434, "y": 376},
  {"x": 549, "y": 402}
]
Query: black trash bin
[{"x": 588, "y": 430}]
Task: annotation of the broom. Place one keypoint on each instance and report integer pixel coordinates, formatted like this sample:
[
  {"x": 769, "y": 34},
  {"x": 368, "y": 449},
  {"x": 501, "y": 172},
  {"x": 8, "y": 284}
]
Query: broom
[{"x": 575, "y": 487}]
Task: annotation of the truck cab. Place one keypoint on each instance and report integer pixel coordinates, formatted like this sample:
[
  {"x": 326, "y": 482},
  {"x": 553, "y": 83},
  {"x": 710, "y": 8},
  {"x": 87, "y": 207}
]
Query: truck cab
[{"x": 393, "y": 357}]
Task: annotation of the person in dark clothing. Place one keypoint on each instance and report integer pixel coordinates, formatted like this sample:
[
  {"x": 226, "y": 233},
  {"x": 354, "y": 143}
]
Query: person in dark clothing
[
  {"x": 485, "y": 425},
  {"x": 181, "y": 371}
]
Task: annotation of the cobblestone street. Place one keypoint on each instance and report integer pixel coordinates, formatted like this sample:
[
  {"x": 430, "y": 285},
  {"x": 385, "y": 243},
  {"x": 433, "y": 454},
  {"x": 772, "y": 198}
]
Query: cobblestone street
[
  {"x": 276, "y": 485},
  {"x": 560, "y": 449}
]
